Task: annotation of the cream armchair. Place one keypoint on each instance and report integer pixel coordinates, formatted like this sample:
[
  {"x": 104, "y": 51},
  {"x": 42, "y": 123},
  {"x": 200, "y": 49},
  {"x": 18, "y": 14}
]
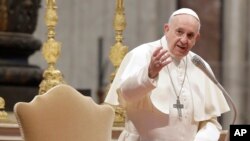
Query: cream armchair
[{"x": 63, "y": 114}]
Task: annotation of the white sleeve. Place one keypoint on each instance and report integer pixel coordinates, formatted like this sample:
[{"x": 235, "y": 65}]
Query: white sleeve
[
  {"x": 137, "y": 85},
  {"x": 208, "y": 131}
]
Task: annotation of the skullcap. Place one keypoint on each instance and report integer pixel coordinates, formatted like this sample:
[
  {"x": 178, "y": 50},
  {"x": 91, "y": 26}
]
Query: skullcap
[{"x": 185, "y": 11}]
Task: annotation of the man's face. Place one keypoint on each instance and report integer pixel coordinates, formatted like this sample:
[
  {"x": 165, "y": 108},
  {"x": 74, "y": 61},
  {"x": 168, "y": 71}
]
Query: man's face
[{"x": 181, "y": 33}]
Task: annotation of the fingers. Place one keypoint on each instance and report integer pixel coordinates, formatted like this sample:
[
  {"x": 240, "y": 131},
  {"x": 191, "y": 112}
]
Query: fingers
[
  {"x": 165, "y": 59},
  {"x": 159, "y": 53},
  {"x": 156, "y": 52},
  {"x": 159, "y": 59}
]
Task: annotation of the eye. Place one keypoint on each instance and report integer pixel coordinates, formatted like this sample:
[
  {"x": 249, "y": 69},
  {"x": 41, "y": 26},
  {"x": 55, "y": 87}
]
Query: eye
[
  {"x": 190, "y": 35},
  {"x": 179, "y": 32}
]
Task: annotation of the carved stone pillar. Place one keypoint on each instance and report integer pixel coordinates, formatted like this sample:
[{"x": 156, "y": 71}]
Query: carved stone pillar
[{"x": 234, "y": 56}]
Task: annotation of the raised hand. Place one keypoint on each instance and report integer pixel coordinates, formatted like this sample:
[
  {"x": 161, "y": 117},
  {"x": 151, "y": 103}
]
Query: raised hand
[{"x": 159, "y": 59}]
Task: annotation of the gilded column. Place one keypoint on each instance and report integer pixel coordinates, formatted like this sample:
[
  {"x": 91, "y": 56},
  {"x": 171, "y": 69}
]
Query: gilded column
[
  {"x": 117, "y": 53},
  {"x": 3, "y": 114},
  {"x": 51, "y": 50}
]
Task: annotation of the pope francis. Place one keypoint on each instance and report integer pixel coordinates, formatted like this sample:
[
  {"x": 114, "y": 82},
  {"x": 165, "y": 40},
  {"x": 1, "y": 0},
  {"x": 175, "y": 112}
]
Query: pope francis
[{"x": 165, "y": 96}]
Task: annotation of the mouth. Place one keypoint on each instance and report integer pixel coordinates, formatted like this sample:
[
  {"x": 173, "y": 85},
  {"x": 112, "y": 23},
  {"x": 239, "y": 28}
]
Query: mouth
[{"x": 181, "y": 47}]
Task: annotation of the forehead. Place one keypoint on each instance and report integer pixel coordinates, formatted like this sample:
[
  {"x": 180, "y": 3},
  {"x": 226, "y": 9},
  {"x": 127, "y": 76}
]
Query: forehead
[{"x": 185, "y": 21}]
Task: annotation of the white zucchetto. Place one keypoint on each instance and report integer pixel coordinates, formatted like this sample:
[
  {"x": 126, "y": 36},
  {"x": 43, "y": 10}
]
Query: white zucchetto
[{"x": 185, "y": 11}]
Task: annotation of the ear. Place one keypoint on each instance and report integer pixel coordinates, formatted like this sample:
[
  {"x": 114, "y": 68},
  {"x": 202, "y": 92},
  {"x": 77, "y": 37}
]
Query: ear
[
  {"x": 198, "y": 37},
  {"x": 166, "y": 28}
]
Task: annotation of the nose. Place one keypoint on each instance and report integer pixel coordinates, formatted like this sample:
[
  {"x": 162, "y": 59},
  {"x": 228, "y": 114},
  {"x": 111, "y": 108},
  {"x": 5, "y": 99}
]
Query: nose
[{"x": 184, "y": 39}]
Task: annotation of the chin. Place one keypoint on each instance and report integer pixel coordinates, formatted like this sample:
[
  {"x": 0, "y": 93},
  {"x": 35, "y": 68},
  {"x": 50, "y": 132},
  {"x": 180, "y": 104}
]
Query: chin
[
  {"x": 183, "y": 54},
  {"x": 179, "y": 57}
]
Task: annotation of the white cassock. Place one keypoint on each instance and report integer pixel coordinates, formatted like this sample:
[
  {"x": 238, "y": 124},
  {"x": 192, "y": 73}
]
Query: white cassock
[{"x": 149, "y": 102}]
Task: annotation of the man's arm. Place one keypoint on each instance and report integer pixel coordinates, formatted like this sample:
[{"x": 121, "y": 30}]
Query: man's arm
[
  {"x": 209, "y": 130},
  {"x": 137, "y": 85}
]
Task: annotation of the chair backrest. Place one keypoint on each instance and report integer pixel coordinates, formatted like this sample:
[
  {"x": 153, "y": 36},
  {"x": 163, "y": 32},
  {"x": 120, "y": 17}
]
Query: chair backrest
[{"x": 64, "y": 114}]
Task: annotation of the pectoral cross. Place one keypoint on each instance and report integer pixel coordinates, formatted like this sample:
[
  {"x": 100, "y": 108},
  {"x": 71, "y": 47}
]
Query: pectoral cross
[{"x": 179, "y": 106}]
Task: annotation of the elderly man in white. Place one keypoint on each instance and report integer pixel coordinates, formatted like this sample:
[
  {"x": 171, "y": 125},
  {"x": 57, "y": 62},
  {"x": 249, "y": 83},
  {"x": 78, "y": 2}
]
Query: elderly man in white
[{"x": 166, "y": 97}]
